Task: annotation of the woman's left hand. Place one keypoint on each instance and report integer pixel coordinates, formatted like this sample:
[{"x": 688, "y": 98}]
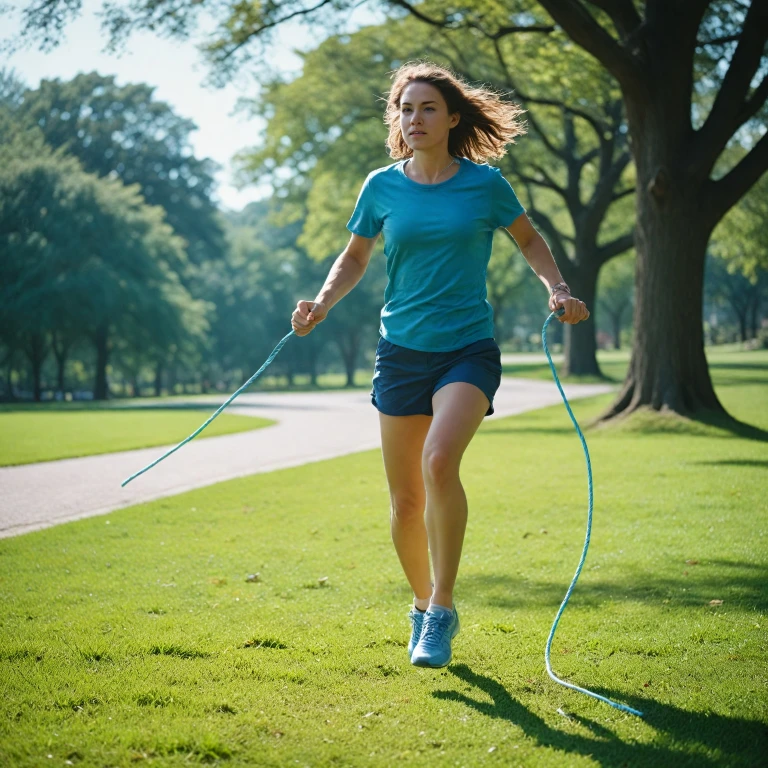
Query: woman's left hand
[{"x": 575, "y": 310}]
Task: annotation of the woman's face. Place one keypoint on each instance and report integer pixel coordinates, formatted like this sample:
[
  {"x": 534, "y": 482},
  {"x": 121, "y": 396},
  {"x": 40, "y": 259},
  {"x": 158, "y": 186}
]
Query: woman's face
[{"x": 424, "y": 119}]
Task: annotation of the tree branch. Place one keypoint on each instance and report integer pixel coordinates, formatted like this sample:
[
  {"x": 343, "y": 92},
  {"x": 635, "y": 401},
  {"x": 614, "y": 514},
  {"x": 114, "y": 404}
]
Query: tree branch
[
  {"x": 271, "y": 24},
  {"x": 598, "y": 126},
  {"x": 581, "y": 27},
  {"x": 615, "y": 247},
  {"x": 623, "y": 193},
  {"x": 717, "y": 41},
  {"x": 622, "y": 13},
  {"x": 446, "y": 23},
  {"x": 540, "y": 183},
  {"x": 730, "y": 102},
  {"x": 726, "y": 192},
  {"x": 555, "y": 242},
  {"x": 754, "y": 102}
]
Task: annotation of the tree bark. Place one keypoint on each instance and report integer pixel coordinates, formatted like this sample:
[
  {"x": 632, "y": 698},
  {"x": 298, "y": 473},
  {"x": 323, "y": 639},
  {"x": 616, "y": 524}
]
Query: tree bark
[
  {"x": 349, "y": 346},
  {"x": 36, "y": 353},
  {"x": 754, "y": 315},
  {"x": 617, "y": 330},
  {"x": 580, "y": 341},
  {"x": 668, "y": 369},
  {"x": 158, "y": 378},
  {"x": 101, "y": 342}
]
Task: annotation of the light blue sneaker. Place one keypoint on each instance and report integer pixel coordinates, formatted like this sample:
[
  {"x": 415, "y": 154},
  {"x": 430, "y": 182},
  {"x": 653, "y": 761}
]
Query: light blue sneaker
[
  {"x": 417, "y": 622},
  {"x": 434, "y": 646}
]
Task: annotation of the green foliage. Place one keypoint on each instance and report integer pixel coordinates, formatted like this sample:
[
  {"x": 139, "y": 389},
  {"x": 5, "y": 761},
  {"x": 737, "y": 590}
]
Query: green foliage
[
  {"x": 83, "y": 253},
  {"x": 741, "y": 237},
  {"x": 124, "y": 132}
]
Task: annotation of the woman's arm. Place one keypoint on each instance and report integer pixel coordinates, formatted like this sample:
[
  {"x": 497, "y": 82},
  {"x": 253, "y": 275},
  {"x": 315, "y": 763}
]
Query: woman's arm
[
  {"x": 344, "y": 275},
  {"x": 536, "y": 252}
]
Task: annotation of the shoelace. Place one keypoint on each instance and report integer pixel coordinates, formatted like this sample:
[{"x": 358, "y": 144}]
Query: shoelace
[{"x": 434, "y": 628}]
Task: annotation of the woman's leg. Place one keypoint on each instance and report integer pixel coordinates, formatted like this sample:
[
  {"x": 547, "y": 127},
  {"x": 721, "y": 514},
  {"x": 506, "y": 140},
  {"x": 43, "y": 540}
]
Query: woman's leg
[
  {"x": 459, "y": 409},
  {"x": 402, "y": 443}
]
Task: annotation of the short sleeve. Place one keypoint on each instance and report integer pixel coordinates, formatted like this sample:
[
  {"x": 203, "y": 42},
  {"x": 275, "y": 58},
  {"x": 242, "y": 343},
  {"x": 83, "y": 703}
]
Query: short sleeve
[
  {"x": 505, "y": 207},
  {"x": 366, "y": 218}
]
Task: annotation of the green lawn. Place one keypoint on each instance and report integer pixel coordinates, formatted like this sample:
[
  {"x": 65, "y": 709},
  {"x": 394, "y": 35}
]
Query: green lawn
[
  {"x": 614, "y": 364},
  {"x": 135, "y": 639},
  {"x": 51, "y": 432}
]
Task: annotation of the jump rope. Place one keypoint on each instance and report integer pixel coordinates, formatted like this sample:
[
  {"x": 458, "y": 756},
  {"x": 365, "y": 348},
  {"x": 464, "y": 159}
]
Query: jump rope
[{"x": 556, "y": 313}]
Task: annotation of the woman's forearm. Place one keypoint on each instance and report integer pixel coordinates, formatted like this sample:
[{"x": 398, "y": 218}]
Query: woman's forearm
[
  {"x": 541, "y": 261},
  {"x": 344, "y": 275}
]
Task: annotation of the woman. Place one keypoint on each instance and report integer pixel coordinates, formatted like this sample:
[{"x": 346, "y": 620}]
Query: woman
[{"x": 437, "y": 365}]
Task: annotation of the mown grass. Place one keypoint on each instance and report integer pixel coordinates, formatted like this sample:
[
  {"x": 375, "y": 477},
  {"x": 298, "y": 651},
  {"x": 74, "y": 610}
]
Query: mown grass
[
  {"x": 51, "y": 432},
  {"x": 135, "y": 638},
  {"x": 739, "y": 363}
]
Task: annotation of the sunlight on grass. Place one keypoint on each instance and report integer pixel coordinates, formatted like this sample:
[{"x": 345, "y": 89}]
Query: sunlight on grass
[
  {"x": 45, "y": 435},
  {"x": 145, "y": 640}
]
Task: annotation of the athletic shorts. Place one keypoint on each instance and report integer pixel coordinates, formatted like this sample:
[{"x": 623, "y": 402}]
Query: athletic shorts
[{"x": 404, "y": 380}]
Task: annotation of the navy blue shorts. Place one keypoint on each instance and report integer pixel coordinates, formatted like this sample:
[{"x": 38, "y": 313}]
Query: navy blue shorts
[{"x": 404, "y": 380}]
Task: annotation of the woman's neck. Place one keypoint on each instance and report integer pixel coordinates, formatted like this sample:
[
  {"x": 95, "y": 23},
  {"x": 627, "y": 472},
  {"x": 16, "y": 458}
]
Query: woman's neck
[{"x": 430, "y": 167}]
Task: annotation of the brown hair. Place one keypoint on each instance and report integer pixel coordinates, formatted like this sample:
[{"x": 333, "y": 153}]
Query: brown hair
[{"x": 487, "y": 124}]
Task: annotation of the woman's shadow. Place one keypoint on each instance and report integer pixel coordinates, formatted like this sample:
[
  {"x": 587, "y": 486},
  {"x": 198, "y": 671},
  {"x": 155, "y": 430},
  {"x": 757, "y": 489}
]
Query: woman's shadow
[{"x": 684, "y": 738}]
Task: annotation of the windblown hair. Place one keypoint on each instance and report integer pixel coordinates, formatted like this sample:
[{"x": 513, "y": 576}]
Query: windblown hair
[{"x": 486, "y": 125}]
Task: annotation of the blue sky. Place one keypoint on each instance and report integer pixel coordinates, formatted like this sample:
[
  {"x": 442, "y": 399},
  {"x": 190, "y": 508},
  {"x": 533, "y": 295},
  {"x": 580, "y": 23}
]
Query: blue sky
[{"x": 177, "y": 71}]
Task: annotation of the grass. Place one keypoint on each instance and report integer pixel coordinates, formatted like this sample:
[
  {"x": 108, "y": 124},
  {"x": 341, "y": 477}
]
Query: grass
[
  {"x": 135, "y": 638},
  {"x": 53, "y": 432},
  {"x": 614, "y": 363}
]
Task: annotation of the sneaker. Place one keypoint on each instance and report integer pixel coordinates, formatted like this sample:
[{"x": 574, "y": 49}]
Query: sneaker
[
  {"x": 434, "y": 646},
  {"x": 417, "y": 622}
]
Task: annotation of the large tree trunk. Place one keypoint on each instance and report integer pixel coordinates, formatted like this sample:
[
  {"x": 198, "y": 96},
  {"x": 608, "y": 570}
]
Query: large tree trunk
[
  {"x": 349, "y": 346},
  {"x": 580, "y": 351},
  {"x": 101, "y": 342},
  {"x": 754, "y": 315},
  {"x": 668, "y": 368},
  {"x": 36, "y": 351},
  {"x": 616, "y": 320},
  {"x": 158, "y": 379}
]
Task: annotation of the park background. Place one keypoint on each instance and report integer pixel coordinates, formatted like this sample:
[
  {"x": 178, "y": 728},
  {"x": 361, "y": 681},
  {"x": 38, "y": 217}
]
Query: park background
[{"x": 130, "y": 267}]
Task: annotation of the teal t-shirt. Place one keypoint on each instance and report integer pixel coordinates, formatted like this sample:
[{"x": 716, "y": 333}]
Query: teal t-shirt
[{"x": 437, "y": 242}]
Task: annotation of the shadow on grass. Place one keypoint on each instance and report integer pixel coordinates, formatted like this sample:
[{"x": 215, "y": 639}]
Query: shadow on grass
[
  {"x": 741, "y": 366},
  {"x": 686, "y": 735},
  {"x": 542, "y": 371},
  {"x": 733, "y": 463},
  {"x": 739, "y": 584}
]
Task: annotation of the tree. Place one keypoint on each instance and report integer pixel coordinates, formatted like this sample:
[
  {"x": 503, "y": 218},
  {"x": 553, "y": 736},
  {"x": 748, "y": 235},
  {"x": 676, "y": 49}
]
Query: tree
[
  {"x": 615, "y": 293},
  {"x": 124, "y": 132},
  {"x": 84, "y": 248},
  {"x": 663, "y": 60}
]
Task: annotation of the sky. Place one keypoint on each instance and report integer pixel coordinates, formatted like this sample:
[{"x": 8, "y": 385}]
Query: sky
[{"x": 177, "y": 71}]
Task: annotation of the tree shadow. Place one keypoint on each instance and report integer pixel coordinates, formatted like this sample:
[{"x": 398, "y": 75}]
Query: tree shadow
[
  {"x": 734, "y": 426},
  {"x": 682, "y": 736},
  {"x": 745, "y": 585},
  {"x": 733, "y": 463}
]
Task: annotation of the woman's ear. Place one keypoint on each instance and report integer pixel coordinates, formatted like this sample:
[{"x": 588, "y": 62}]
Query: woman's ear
[{"x": 455, "y": 118}]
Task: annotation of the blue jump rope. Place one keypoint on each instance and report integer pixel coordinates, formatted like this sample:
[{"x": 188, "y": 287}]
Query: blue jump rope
[{"x": 557, "y": 313}]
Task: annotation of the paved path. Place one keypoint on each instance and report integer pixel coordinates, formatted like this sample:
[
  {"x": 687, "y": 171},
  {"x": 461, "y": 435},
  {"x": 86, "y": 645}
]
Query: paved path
[{"x": 311, "y": 427}]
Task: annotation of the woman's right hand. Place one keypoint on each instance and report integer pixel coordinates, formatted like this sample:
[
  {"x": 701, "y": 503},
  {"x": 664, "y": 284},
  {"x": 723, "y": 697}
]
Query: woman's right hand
[{"x": 306, "y": 316}]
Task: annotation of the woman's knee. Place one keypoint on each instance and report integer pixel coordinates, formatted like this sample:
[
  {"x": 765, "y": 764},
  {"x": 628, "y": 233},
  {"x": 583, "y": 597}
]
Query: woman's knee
[
  {"x": 407, "y": 507},
  {"x": 439, "y": 466}
]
